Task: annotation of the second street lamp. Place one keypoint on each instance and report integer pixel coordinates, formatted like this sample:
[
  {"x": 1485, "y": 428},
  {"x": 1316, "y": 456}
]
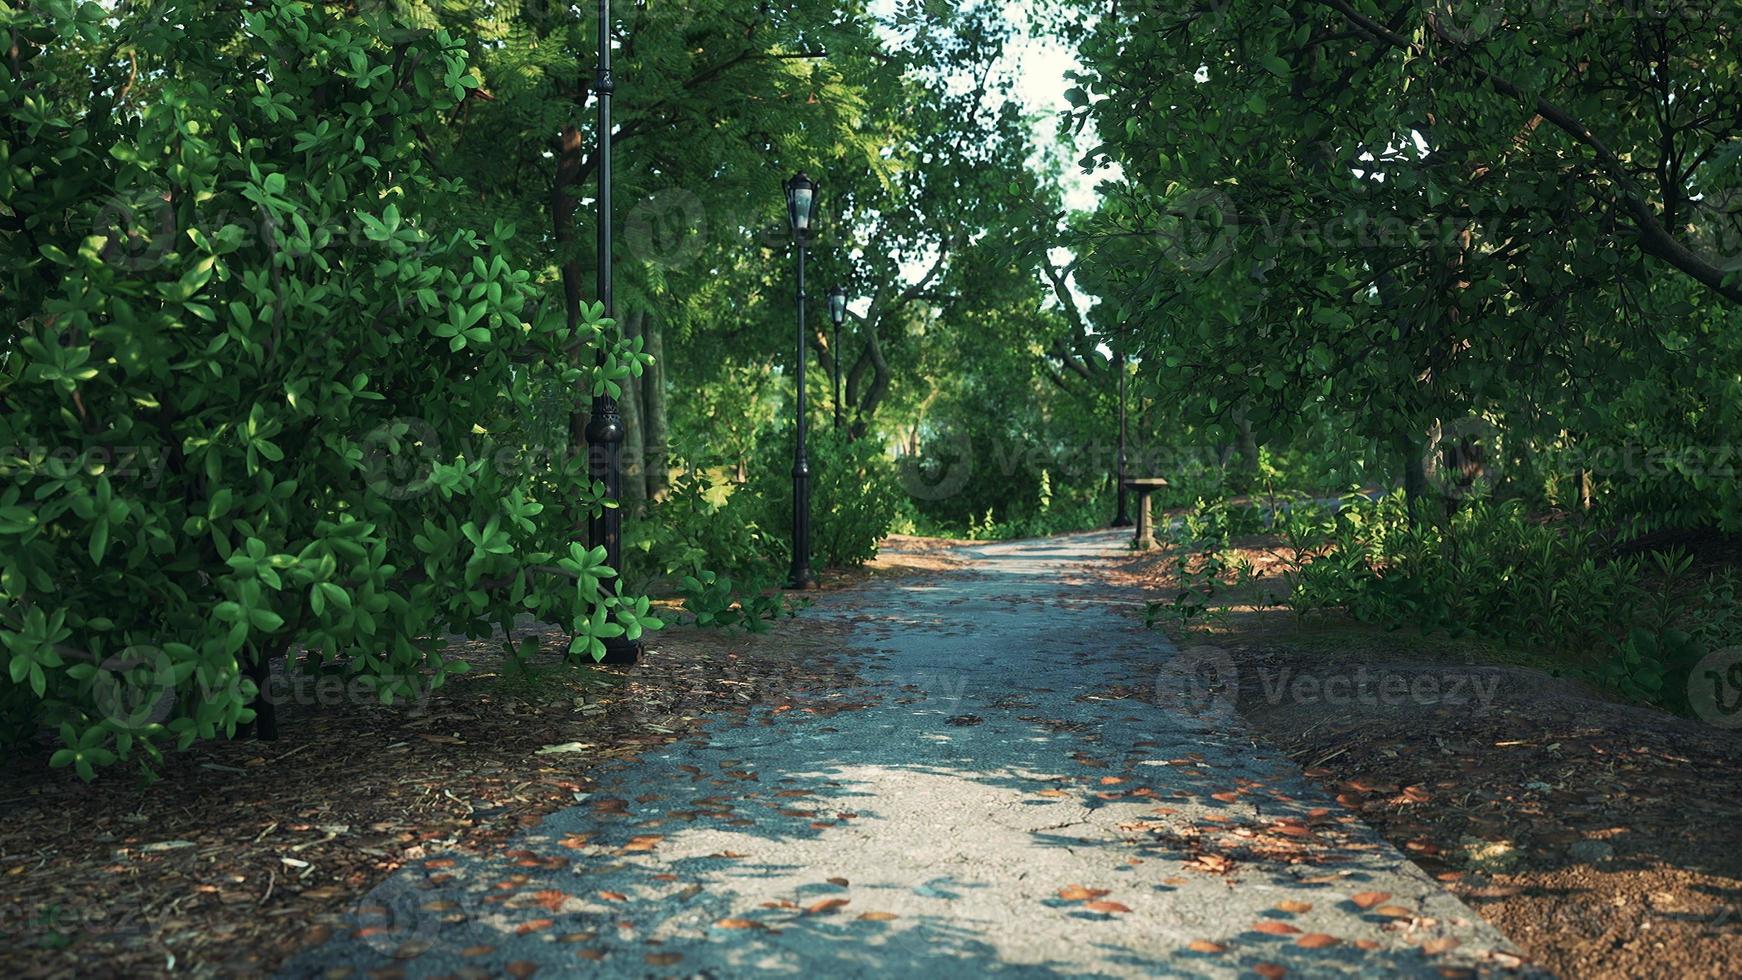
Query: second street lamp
[
  {"x": 801, "y": 213},
  {"x": 837, "y": 313}
]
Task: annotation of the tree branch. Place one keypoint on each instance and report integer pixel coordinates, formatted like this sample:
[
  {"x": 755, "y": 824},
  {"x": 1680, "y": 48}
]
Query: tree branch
[{"x": 1654, "y": 238}]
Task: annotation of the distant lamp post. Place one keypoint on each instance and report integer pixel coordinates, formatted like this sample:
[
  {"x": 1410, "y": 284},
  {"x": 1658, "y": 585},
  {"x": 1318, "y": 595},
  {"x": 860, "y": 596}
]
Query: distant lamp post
[
  {"x": 801, "y": 214},
  {"x": 605, "y": 424},
  {"x": 1123, "y": 518},
  {"x": 837, "y": 313}
]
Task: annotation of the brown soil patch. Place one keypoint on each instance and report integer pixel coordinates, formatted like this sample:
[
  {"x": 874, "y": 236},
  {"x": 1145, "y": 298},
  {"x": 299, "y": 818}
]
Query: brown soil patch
[
  {"x": 900, "y": 555},
  {"x": 245, "y": 851},
  {"x": 1601, "y": 837}
]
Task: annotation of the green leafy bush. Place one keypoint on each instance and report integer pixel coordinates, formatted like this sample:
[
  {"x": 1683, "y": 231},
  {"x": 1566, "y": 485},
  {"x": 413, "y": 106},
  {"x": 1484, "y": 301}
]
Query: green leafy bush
[
  {"x": 1054, "y": 510},
  {"x": 1632, "y": 622},
  {"x": 855, "y": 497},
  {"x": 702, "y": 542},
  {"x": 248, "y": 364}
]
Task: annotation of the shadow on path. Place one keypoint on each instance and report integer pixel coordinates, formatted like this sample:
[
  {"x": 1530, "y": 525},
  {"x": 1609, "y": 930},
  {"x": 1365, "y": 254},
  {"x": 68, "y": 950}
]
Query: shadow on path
[{"x": 1010, "y": 791}]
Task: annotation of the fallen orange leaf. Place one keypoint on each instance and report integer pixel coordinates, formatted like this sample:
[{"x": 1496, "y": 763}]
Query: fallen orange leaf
[
  {"x": 1294, "y": 906},
  {"x": 1367, "y": 900},
  {"x": 550, "y": 901},
  {"x": 825, "y": 906},
  {"x": 1107, "y": 907}
]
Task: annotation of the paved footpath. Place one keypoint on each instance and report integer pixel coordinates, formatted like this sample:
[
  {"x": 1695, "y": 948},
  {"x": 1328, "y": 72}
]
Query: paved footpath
[{"x": 1013, "y": 797}]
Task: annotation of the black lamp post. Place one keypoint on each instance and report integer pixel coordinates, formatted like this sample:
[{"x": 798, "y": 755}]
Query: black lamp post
[
  {"x": 801, "y": 213},
  {"x": 1123, "y": 518},
  {"x": 605, "y": 425},
  {"x": 837, "y": 313}
]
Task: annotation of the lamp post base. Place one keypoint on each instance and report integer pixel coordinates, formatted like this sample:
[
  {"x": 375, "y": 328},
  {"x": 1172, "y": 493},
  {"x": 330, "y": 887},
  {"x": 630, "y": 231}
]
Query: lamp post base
[
  {"x": 1121, "y": 521},
  {"x": 621, "y": 652},
  {"x": 802, "y": 580}
]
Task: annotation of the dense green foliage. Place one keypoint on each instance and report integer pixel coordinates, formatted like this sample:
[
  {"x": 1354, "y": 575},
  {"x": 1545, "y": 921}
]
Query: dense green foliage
[
  {"x": 288, "y": 374},
  {"x": 262, "y": 386},
  {"x": 297, "y": 354},
  {"x": 855, "y": 497},
  {"x": 1517, "y": 233},
  {"x": 706, "y": 545},
  {"x": 1633, "y": 620},
  {"x": 1489, "y": 253}
]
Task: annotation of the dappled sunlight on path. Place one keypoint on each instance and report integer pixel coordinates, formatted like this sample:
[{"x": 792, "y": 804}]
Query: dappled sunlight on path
[{"x": 1003, "y": 794}]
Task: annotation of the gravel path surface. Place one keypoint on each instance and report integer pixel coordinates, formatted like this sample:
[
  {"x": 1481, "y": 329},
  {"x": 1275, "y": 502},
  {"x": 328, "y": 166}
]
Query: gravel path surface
[{"x": 1029, "y": 782}]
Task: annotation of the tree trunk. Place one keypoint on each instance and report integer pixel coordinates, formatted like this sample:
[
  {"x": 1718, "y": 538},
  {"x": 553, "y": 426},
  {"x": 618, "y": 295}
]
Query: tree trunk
[
  {"x": 634, "y": 433},
  {"x": 658, "y": 436},
  {"x": 1581, "y": 493},
  {"x": 1246, "y": 449},
  {"x": 863, "y": 396},
  {"x": 1419, "y": 465}
]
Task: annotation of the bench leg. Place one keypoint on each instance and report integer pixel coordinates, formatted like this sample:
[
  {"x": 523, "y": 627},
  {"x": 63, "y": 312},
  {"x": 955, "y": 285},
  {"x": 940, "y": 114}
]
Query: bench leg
[{"x": 1144, "y": 538}]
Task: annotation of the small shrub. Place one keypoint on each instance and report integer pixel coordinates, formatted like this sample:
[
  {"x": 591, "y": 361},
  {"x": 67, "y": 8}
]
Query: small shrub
[
  {"x": 1630, "y": 623},
  {"x": 708, "y": 548},
  {"x": 855, "y": 497}
]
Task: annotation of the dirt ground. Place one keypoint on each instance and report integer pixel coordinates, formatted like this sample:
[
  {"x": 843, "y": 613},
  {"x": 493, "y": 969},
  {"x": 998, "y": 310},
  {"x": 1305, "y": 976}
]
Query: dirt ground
[
  {"x": 1601, "y": 837},
  {"x": 245, "y": 851}
]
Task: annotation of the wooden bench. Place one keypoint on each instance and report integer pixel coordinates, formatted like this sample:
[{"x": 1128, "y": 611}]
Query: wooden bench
[{"x": 1144, "y": 539}]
